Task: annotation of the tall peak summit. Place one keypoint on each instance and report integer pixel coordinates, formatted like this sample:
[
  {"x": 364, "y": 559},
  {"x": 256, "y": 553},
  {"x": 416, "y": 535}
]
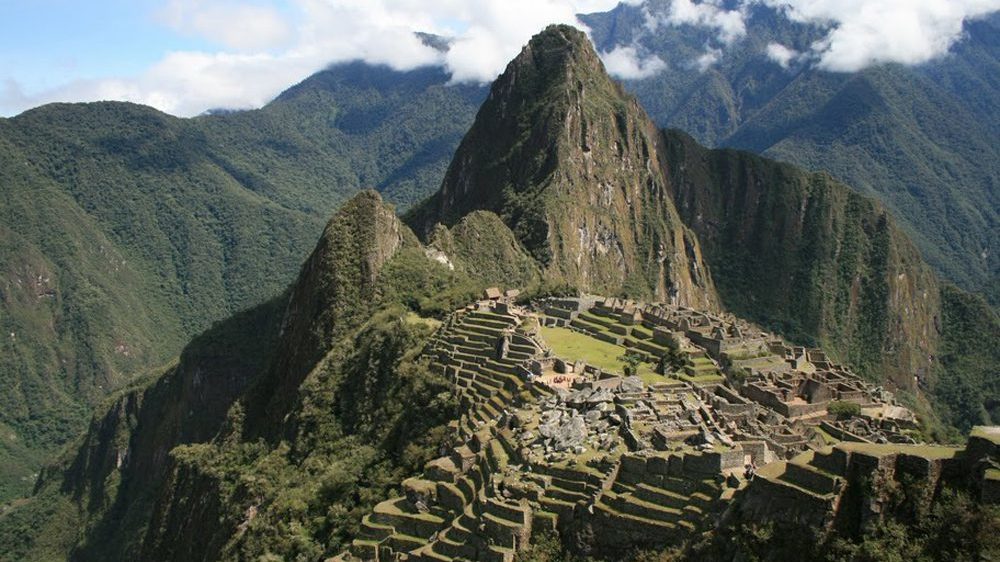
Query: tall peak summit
[
  {"x": 555, "y": 53},
  {"x": 572, "y": 165}
]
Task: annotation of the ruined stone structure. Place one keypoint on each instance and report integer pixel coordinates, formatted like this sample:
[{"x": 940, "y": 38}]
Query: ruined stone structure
[{"x": 551, "y": 444}]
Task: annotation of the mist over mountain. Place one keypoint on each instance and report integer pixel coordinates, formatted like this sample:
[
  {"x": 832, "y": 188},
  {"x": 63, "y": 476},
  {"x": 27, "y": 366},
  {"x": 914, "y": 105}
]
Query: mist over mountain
[
  {"x": 918, "y": 138},
  {"x": 178, "y": 351},
  {"x": 277, "y": 431}
]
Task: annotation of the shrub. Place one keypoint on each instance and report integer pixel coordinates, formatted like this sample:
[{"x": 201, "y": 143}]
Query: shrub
[{"x": 844, "y": 410}]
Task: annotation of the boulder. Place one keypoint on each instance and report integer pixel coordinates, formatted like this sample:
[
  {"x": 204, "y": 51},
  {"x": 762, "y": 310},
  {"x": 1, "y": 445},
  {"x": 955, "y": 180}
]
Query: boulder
[
  {"x": 632, "y": 384},
  {"x": 566, "y": 433},
  {"x": 600, "y": 396}
]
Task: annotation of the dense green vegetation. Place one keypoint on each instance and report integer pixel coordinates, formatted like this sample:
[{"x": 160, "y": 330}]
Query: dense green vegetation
[
  {"x": 808, "y": 257},
  {"x": 954, "y": 528},
  {"x": 318, "y": 408},
  {"x": 844, "y": 410},
  {"x": 484, "y": 243},
  {"x": 278, "y": 428},
  {"x": 542, "y": 156},
  {"x": 124, "y": 231},
  {"x": 919, "y": 139},
  {"x": 364, "y": 424},
  {"x": 967, "y": 386}
]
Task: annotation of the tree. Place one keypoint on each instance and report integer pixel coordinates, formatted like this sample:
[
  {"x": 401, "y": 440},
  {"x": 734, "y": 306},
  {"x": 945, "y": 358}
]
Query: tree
[
  {"x": 631, "y": 361},
  {"x": 844, "y": 410},
  {"x": 672, "y": 360}
]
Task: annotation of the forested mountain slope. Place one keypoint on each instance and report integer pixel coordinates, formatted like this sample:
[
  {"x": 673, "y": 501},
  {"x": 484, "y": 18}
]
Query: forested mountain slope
[
  {"x": 921, "y": 139},
  {"x": 127, "y": 231},
  {"x": 278, "y": 429}
]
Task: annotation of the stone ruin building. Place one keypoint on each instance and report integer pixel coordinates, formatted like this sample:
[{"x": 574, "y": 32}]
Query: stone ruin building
[{"x": 549, "y": 443}]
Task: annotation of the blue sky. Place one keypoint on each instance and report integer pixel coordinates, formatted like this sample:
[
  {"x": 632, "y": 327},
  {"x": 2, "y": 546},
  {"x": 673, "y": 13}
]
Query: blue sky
[
  {"x": 46, "y": 43},
  {"x": 187, "y": 56}
]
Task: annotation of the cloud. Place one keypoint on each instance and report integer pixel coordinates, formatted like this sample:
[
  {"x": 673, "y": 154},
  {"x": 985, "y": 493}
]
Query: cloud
[
  {"x": 708, "y": 59},
  {"x": 729, "y": 24},
  {"x": 624, "y": 62},
  {"x": 867, "y": 32},
  {"x": 263, "y": 46},
  {"x": 233, "y": 24},
  {"x": 781, "y": 54},
  {"x": 858, "y": 33},
  {"x": 263, "y": 49}
]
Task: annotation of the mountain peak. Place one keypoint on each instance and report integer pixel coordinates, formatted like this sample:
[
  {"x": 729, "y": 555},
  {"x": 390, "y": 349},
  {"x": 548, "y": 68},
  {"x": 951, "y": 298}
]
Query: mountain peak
[
  {"x": 572, "y": 165},
  {"x": 335, "y": 290},
  {"x": 556, "y": 50}
]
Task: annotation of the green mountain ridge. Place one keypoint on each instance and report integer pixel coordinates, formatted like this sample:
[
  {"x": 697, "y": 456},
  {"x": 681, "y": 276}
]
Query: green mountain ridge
[
  {"x": 287, "y": 373},
  {"x": 117, "y": 217},
  {"x": 279, "y": 429},
  {"x": 918, "y": 138},
  {"x": 128, "y": 231},
  {"x": 812, "y": 256},
  {"x": 571, "y": 163}
]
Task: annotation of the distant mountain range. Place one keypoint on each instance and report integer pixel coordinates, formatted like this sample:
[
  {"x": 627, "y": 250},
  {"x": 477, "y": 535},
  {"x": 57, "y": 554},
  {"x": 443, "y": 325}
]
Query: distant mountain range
[
  {"x": 278, "y": 429},
  {"x": 920, "y": 139},
  {"x": 125, "y": 231}
]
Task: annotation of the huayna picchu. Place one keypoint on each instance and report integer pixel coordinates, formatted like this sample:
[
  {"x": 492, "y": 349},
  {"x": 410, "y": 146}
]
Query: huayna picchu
[{"x": 752, "y": 382}]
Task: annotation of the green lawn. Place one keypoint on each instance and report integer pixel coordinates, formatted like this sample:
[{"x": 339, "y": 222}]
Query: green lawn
[
  {"x": 414, "y": 318},
  {"x": 879, "y": 449},
  {"x": 572, "y": 346},
  {"x": 713, "y": 377}
]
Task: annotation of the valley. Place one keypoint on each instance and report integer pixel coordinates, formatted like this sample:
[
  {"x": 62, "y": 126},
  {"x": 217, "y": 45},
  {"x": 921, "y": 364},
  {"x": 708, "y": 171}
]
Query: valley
[{"x": 596, "y": 338}]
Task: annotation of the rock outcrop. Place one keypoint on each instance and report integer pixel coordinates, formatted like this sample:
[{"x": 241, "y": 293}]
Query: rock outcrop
[
  {"x": 802, "y": 252},
  {"x": 333, "y": 293},
  {"x": 573, "y": 166}
]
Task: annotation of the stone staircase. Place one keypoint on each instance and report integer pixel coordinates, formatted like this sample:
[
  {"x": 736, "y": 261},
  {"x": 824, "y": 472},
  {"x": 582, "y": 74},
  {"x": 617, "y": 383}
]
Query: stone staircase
[
  {"x": 469, "y": 349},
  {"x": 648, "y": 501}
]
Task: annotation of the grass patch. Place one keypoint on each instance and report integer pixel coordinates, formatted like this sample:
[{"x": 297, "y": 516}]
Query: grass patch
[
  {"x": 930, "y": 452},
  {"x": 571, "y": 346},
  {"x": 414, "y": 318},
  {"x": 653, "y": 378},
  {"x": 827, "y": 438},
  {"x": 700, "y": 378}
]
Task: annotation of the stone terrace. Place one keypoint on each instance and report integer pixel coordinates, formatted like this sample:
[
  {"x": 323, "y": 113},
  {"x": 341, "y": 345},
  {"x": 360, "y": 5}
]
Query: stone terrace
[{"x": 638, "y": 460}]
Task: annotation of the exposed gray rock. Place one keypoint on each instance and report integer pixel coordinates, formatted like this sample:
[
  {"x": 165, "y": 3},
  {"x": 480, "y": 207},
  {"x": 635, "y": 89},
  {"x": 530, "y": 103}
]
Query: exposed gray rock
[
  {"x": 600, "y": 396},
  {"x": 565, "y": 433},
  {"x": 632, "y": 384}
]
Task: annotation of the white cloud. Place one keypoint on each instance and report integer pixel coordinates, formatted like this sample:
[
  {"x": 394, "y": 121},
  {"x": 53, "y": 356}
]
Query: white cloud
[
  {"x": 708, "y": 59},
  {"x": 859, "y": 33},
  {"x": 233, "y": 24},
  {"x": 781, "y": 54},
  {"x": 264, "y": 50},
  {"x": 867, "y": 32},
  {"x": 626, "y": 63},
  {"x": 729, "y": 24}
]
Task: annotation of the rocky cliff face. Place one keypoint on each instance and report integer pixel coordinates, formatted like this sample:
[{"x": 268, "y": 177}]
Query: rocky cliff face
[
  {"x": 809, "y": 256},
  {"x": 117, "y": 470},
  {"x": 573, "y": 166},
  {"x": 307, "y": 409},
  {"x": 607, "y": 203},
  {"x": 124, "y": 474},
  {"x": 483, "y": 246},
  {"x": 334, "y": 292}
]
